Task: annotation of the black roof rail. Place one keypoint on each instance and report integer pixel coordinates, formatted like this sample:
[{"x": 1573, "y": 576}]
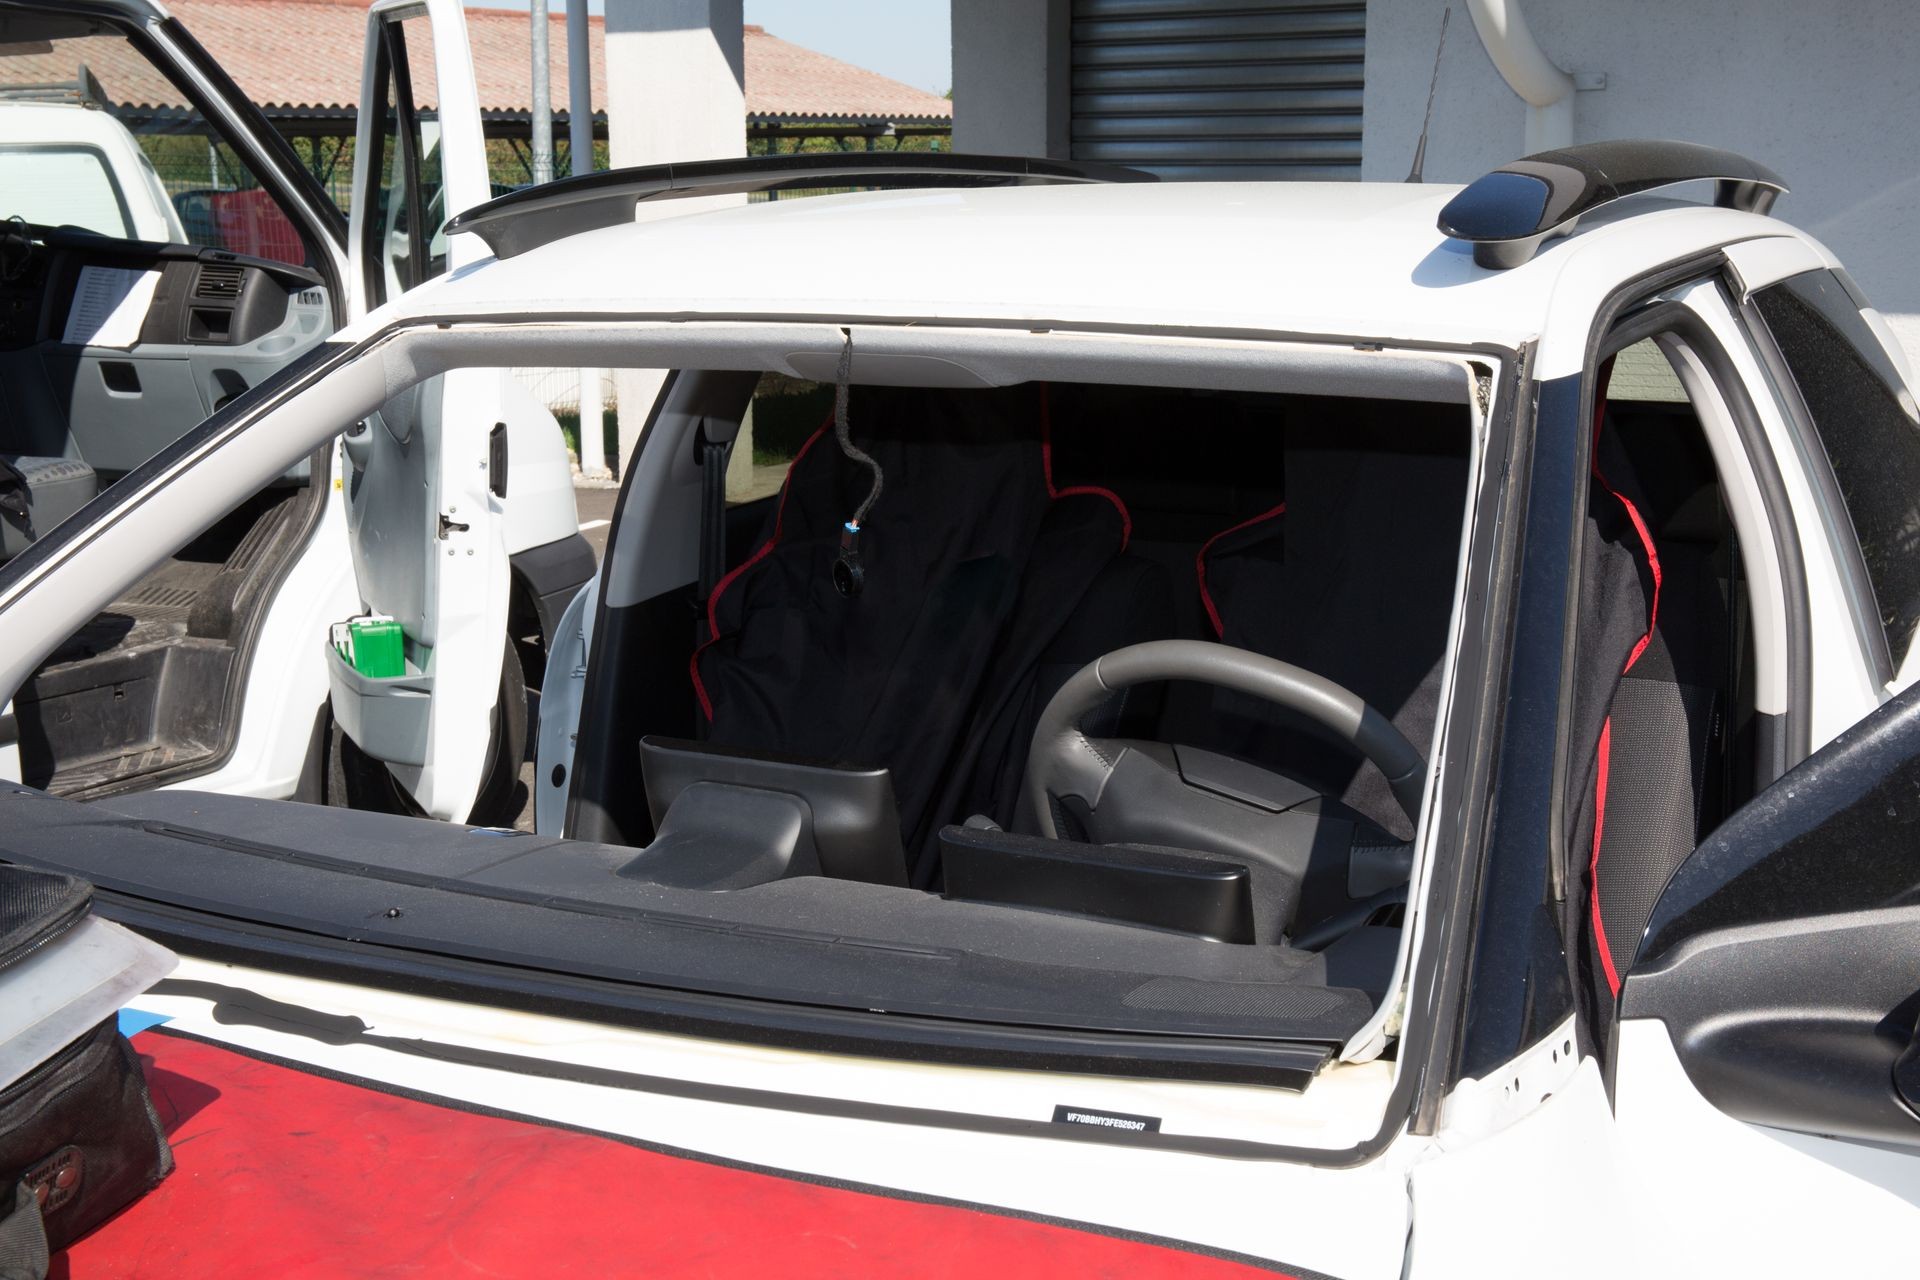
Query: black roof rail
[
  {"x": 1509, "y": 213},
  {"x": 533, "y": 216}
]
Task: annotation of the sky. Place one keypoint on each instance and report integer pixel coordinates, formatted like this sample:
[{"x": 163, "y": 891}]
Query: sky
[{"x": 909, "y": 40}]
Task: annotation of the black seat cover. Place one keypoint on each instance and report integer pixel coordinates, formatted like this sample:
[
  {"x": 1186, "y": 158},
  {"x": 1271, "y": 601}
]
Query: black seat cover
[
  {"x": 974, "y": 564},
  {"x": 1649, "y": 681},
  {"x": 1352, "y": 577}
]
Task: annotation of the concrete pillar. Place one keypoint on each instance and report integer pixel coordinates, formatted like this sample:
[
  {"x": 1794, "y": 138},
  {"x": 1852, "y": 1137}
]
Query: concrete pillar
[
  {"x": 1012, "y": 77},
  {"x": 593, "y": 452},
  {"x": 676, "y": 90}
]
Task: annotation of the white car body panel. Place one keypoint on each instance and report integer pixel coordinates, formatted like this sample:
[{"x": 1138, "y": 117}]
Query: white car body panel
[
  {"x": 1731, "y": 1198},
  {"x": 1360, "y": 261},
  {"x": 1350, "y": 1223},
  {"x": 539, "y": 507},
  {"x": 1843, "y": 686}
]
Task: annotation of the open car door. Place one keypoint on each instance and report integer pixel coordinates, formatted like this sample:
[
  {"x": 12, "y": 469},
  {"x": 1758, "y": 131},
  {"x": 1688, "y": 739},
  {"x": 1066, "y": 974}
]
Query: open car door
[
  {"x": 424, "y": 477},
  {"x": 1767, "y": 1058}
]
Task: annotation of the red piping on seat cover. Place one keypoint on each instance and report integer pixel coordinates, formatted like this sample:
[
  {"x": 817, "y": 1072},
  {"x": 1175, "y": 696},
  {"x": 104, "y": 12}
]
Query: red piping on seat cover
[
  {"x": 760, "y": 553},
  {"x": 1046, "y": 470},
  {"x": 1640, "y": 647},
  {"x": 764, "y": 549},
  {"x": 1200, "y": 565}
]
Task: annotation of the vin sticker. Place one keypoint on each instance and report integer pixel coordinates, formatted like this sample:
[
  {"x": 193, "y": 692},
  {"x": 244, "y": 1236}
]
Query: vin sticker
[{"x": 1116, "y": 1120}]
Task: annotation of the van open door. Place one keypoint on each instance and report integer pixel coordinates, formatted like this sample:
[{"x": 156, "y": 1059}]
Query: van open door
[
  {"x": 423, "y": 479},
  {"x": 419, "y": 153}
]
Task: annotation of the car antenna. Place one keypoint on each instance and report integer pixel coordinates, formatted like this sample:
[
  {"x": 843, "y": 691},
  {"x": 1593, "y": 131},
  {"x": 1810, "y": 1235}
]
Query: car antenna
[
  {"x": 1418, "y": 172},
  {"x": 848, "y": 573}
]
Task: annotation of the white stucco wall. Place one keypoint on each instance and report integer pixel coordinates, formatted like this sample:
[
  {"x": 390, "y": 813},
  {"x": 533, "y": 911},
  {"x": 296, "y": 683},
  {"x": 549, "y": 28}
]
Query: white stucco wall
[
  {"x": 1011, "y": 77},
  {"x": 1826, "y": 93},
  {"x": 676, "y": 90}
]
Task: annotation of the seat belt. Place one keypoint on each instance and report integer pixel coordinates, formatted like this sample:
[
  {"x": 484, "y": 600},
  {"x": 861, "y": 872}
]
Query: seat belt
[{"x": 711, "y": 455}]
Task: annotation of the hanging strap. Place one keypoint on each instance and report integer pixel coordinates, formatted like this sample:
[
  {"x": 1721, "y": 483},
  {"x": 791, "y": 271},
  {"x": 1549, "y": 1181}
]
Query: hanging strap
[{"x": 712, "y": 456}]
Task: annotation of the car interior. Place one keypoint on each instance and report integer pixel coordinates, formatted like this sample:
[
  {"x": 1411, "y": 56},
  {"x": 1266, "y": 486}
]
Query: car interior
[
  {"x": 111, "y": 348},
  {"x": 1047, "y": 702},
  {"x": 806, "y": 771},
  {"x": 1666, "y": 738}
]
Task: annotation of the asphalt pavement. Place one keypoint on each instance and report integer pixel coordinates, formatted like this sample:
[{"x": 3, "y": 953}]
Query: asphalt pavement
[{"x": 596, "y": 515}]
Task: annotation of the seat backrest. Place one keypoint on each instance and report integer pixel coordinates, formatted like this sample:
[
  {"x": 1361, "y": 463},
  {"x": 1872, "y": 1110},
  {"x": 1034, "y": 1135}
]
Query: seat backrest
[
  {"x": 1353, "y": 578},
  {"x": 1651, "y": 680}
]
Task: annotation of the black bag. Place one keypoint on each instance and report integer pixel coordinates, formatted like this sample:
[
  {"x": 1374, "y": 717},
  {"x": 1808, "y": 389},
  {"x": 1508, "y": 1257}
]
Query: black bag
[{"x": 79, "y": 1138}]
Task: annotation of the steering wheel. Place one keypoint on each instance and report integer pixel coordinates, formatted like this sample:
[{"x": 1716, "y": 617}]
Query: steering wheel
[{"x": 1065, "y": 762}]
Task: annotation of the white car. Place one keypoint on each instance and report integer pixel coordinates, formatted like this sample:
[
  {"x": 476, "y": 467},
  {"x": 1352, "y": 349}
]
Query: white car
[
  {"x": 1334, "y": 729},
  {"x": 66, "y": 163},
  {"x": 126, "y": 317}
]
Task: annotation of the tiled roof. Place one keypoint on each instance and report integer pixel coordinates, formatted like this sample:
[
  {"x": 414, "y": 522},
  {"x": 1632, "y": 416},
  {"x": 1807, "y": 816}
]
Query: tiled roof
[
  {"x": 785, "y": 81},
  {"x": 293, "y": 55}
]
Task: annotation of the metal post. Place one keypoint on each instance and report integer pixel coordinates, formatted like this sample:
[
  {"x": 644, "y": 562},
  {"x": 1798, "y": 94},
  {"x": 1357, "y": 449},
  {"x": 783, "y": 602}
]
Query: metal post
[
  {"x": 593, "y": 449},
  {"x": 542, "y": 104},
  {"x": 579, "y": 88}
]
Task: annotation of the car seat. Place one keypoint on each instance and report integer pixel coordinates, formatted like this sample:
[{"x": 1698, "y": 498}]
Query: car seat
[
  {"x": 1651, "y": 678},
  {"x": 975, "y": 566},
  {"x": 1352, "y": 577}
]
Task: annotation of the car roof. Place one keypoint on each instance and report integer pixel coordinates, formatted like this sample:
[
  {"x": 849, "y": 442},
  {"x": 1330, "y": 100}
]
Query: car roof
[
  {"x": 1357, "y": 260},
  {"x": 35, "y": 121}
]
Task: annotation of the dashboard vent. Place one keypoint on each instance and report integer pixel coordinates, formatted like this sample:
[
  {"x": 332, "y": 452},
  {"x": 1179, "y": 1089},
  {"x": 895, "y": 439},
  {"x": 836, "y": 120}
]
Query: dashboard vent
[{"x": 220, "y": 283}]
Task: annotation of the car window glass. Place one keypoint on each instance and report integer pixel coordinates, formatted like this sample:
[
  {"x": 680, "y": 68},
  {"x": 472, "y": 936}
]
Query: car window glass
[
  {"x": 97, "y": 136},
  {"x": 785, "y": 412},
  {"x": 408, "y": 225},
  {"x": 63, "y": 186},
  {"x": 1868, "y": 422}
]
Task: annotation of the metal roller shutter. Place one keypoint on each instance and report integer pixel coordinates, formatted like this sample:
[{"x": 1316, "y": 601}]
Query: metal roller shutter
[{"x": 1209, "y": 89}]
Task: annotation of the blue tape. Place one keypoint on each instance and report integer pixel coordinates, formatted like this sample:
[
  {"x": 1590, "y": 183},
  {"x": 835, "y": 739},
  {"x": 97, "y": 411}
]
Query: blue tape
[{"x": 134, "y": 1021}]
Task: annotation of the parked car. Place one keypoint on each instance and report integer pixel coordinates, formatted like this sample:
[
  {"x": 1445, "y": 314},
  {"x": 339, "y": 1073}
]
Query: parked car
[
  {"x": 1359, "y": 730},
  {"x": 125, "y": 321}
]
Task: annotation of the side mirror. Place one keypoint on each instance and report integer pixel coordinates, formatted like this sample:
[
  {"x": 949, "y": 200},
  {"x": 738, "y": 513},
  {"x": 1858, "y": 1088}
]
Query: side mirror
[{"x": 1784, "y": 955}]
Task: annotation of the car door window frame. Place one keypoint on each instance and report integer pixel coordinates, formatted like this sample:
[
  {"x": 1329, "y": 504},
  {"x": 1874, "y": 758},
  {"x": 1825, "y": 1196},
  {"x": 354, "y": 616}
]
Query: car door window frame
[
  {"x": 1506, "y": 994},
  {"x": 1836, "y": 520},
  {"x": 1673, "y": 315},
  {"x": 393, "y": 74}
]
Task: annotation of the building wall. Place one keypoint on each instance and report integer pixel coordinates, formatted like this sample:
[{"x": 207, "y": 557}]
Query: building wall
[
  {"x": 1823, "y": 94},
  {"x": 1011, "y": 77},
  {"x": 676, "y": 90}
]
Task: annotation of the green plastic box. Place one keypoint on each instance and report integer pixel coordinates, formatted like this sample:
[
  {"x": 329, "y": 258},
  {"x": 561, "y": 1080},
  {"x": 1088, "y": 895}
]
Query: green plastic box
[{"x": 378, "y": 649}]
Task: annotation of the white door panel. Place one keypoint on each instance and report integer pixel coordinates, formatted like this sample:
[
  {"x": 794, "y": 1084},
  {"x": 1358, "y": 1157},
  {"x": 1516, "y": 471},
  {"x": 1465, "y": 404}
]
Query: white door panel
[
  {"x": 424, "y": 525},
  {"x": 425, "y": 531},
  {"x": 539, "y": 504}
]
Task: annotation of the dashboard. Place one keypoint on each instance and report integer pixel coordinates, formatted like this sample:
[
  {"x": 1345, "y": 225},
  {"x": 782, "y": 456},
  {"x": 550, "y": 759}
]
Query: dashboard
[{"x": 111, "y": 348}]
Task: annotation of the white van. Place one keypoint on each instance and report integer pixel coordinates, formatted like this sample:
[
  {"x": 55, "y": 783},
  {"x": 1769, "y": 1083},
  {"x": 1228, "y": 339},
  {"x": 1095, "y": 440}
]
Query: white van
[{"x": 128, "y": 314}]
